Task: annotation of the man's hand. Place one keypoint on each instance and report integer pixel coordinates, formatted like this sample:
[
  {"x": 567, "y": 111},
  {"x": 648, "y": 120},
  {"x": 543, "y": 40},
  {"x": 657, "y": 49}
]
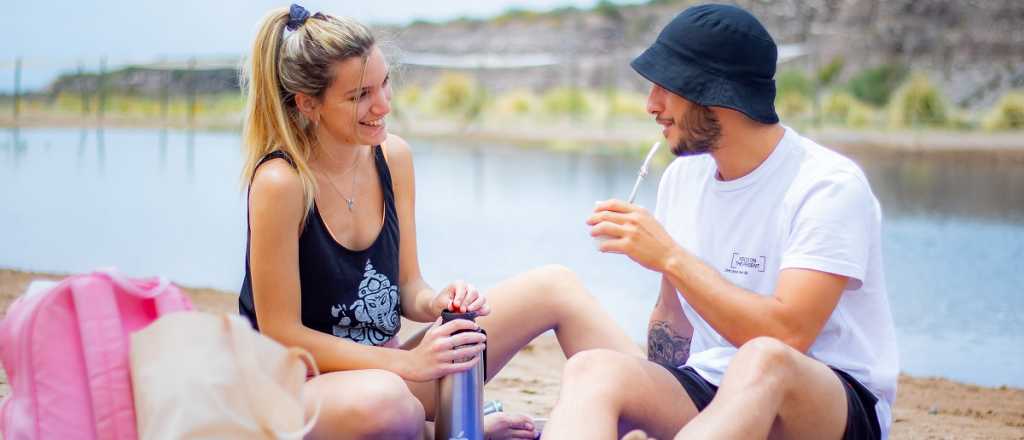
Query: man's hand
[{"x": 632, "y": 231}]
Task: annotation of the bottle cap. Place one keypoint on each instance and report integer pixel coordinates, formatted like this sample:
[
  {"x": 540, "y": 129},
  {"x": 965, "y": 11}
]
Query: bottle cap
[{"x": 448, "y": 316}]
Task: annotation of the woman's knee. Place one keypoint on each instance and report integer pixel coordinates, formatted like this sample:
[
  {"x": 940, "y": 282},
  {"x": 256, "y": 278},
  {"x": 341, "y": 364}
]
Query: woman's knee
[
  {"x": 559, "y": 275},
  {"x": 560, "y": 286},
  {"x": 372, "y": 404}
]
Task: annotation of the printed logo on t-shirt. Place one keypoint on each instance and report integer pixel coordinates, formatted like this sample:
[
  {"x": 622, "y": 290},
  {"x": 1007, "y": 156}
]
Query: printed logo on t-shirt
[
  {"x": 744, "y": 265},
  {"x": 375, "y": 312}
]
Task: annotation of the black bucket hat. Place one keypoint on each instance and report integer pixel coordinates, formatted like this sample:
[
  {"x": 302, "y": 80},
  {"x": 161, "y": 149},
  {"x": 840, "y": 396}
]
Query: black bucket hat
[{"x": 715, "y": 55}]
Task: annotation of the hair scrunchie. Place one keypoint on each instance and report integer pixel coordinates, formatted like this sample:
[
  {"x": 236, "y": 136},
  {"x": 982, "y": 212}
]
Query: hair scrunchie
[{"x": 297, "y": 16}]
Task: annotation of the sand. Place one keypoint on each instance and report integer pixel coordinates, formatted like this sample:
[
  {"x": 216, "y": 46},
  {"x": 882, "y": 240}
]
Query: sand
[{"x": 926, "y": 408}]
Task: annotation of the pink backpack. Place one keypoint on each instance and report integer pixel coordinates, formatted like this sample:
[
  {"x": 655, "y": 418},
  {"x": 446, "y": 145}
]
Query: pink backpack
[{"x": 66, "y": 351}]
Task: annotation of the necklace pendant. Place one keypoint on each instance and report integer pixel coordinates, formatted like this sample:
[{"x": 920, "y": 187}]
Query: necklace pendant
[{"x": 350, "y": 202}]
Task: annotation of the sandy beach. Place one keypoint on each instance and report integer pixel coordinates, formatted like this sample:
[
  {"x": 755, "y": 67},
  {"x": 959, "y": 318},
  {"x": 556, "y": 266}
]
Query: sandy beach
[{"x": 926, "y": 408}]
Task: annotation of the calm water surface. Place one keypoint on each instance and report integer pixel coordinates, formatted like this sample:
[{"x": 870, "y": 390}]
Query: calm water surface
[{"x": 169, "y": 202}]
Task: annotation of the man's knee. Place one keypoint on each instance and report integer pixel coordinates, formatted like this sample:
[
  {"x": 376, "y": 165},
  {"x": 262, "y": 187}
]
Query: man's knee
[
  {"x": 766, "y": 357},
  {"x": 598, "y": 373}
]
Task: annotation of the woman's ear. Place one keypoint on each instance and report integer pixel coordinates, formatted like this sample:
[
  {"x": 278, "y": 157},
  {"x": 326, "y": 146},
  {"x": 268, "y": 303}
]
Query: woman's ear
[{"x": 307, "y": 105}]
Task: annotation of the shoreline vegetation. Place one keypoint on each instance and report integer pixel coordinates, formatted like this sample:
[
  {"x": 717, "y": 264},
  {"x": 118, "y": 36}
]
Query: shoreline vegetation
[
  {"x": 887, "y": 108},
  {"x": 926, "y": 407},
  {"x": 625, "y": 136}
]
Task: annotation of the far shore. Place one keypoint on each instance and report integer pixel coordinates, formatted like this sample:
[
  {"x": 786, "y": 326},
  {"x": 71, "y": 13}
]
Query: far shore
[
  {"x": 631, "y": 135},
  {"x": 926, "y": 407}
]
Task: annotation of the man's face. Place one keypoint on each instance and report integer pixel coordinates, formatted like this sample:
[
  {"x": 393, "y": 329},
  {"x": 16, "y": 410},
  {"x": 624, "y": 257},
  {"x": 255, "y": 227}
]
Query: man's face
[{"x": 689, "y": 128}]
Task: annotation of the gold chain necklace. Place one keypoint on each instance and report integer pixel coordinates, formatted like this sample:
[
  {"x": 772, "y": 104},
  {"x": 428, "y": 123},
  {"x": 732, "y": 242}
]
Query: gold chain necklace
[{"x": 349, "y": 201}]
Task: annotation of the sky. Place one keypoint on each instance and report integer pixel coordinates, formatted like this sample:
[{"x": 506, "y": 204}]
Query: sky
[{"x": 55, "y": 35}]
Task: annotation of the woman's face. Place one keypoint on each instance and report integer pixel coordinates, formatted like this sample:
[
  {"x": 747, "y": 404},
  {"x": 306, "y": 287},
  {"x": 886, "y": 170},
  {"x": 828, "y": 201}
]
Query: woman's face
[{"x": 352, "y": 112}]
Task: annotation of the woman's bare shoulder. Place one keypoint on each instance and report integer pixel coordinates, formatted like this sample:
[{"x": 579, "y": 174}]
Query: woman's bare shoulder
[
  {"x": 397, "y": 149},
  {"x": 277, "y": 184}
]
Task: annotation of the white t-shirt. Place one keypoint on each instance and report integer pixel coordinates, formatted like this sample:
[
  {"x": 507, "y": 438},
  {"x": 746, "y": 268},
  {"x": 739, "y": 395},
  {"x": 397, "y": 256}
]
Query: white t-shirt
[{"x": 804, "y": 207}]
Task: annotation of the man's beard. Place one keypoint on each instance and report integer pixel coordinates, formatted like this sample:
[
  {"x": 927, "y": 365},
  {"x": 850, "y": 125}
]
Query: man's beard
[{"x": 701, "y": 132}]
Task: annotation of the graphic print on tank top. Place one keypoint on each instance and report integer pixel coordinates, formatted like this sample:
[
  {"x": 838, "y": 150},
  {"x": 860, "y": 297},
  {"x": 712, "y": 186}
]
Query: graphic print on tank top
[{"x": 373, "y": 318}]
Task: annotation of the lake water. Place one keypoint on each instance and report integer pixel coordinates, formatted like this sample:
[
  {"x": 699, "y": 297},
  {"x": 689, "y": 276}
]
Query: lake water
[{"x": 169, "y": 202}]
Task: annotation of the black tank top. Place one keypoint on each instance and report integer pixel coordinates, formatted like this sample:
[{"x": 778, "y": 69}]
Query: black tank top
[{"x": 346, "y": 293}]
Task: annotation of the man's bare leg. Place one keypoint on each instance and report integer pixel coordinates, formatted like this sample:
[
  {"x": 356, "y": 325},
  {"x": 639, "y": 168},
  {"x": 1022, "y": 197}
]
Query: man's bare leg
[
  {"x": 772, "y": 390},
  {"x": 605, "y": 393}
]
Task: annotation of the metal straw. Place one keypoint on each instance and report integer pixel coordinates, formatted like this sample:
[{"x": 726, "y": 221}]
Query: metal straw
[{"x": 643, "y": 171}]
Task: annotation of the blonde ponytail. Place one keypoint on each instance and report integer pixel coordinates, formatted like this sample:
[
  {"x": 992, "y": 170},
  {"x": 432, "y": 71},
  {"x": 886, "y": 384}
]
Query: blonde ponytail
[{"x": 282, "y": 65}]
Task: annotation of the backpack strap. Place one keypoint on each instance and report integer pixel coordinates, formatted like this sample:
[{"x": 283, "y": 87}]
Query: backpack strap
[
  {"x": 172, "y": 300},
  {"x": 105, "y": 352},
  {"x": 166, "y": 297}
]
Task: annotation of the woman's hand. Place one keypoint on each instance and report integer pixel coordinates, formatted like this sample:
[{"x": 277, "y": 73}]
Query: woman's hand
[
  {"x": 461, "y": 297},
  {"x": 441, "y": 352}
]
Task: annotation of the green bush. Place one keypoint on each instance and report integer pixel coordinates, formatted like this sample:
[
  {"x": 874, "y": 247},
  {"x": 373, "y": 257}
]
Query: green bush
[
  {"x": 222, "y": 104},
  {"x": 516, "y": 14},
  {"x": 1008, "y": 113},
  {"x": 828, "y": 74},
  {"x": 843, "y": 108},
  {"x": 563, "y": 11},
  {"x": 454, "y": 92},
  {"x": 875, "y": 86},
  {"x": 792, "y": 106},
  {"x": 566, "y": 101},
  {"x": 793, "y": 82},
  {"x": 479, "y": 100},
  {"x": 836, "y": 106},
  {"x": 72, "y": 102},
  {"x": 918, "y": 103},
  {"x": 517, "y": 102},
  {"x": 609, "y": 10},
  {"x": 409, "y": 96},
  {"x": 627, "y": 104},
  {"x": 862, "y": 116}
]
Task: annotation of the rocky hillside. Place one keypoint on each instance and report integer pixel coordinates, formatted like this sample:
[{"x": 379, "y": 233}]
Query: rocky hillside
[{"x": 973, "y": 48}]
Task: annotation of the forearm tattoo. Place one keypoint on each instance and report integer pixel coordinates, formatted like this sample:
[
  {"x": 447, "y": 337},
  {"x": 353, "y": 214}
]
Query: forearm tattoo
[{"x": 665, "y": 346}]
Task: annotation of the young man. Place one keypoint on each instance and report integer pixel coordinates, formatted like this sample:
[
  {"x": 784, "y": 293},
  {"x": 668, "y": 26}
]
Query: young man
[{"x": 773, "y": 319}]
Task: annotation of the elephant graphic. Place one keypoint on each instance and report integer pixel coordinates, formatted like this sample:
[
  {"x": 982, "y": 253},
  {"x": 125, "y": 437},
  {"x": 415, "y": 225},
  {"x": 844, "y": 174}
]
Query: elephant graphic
[{"x": 374, "y": 316}]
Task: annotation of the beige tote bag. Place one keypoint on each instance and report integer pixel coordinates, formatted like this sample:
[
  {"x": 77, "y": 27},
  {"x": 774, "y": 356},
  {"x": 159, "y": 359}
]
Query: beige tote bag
[{"x": 203, "y": 376}]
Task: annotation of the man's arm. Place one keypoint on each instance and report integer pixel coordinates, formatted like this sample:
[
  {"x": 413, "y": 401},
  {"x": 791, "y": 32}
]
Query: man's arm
[
  {"x": 801, "y": 303},
  {"x": 795, "y": 313},
  {"x": 669, "y": 332}
]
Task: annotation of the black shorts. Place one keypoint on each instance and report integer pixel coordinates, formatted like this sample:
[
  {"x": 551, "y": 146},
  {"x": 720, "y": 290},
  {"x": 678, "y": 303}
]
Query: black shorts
[{"x": 861, "y": 419}]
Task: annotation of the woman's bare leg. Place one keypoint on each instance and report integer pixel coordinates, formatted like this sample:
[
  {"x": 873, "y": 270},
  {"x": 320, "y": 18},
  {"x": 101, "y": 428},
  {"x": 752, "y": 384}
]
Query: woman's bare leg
[
  {"x": 548, "y": 298},
  {"x": 527, "y": 305},
  {"x": 363, "y": 404}
]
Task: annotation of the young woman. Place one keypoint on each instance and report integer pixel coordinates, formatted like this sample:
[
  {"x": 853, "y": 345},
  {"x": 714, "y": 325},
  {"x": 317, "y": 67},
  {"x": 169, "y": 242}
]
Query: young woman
[{"x": 332, "y": 261}]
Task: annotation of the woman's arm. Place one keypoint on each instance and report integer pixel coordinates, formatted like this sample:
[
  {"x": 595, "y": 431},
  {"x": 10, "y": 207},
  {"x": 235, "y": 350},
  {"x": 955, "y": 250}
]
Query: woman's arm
[
  {"x": 420, "y": 302},
  {"x": 416, "y": 294}
]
